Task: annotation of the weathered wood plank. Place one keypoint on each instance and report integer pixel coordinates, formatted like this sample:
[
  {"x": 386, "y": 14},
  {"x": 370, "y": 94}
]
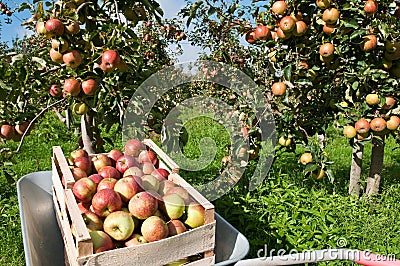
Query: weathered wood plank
[{"x": 58, "y": 154}]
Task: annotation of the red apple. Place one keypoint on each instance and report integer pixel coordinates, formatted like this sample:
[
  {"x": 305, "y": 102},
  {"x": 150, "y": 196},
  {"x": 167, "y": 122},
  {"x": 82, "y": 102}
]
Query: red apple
[
  {"x": 21, "y": 127},
  {"x": 195, "y": 215},
  {"x": 96, "y": 178},
  {"x": 72, "y": 59},
  {"x": 55, "y": 91},
  {"x": 135, "y": 239},
  {"x": 106, "y": 183},
  {"x": 150, "y": 182},
  {"x": 101, "y": 241},
  {"x": 84, "y": 189},
  {"x": 92, "y": 221},
  {"x": 114, "y": 155},
  {"x": 134, "y": 147},
  {"x": 147, "y": 156},
  {"x": 181, "y": 192},
  {"x": 125, "y": 162},
  {"x": 54, "y": 27},
  {"x": 148, "y": 168},
  {"x": 105, "y": 202},
  {"x": 175, "y": 227},
  {"x": 71, "y": 87},
  {"x": 83, "y": 207},
  {"x": 119, "y": 225},
  {"x": 7, "y": 132},
  {"x": 173, "y": 206},
  {"x": 127, "y": 187},
  {"x": 109, "y": 172},
  {"x": 154, "y": 229},
  {"x": 78, "y": 153},
  {"x": 78, "y": 173},
  {"x": 56, "y": 56},
  {"x": 165, "y": 186},
  {"x": 109, "y": 60},
  {"x": 101, "y": 160},
  {"x": 161, "y": 174},
  {"x": 89, "y": 86},
  {"x": 143, "y": 205},
  {"x": 84, "y": 163},
  {"x": 73, "y": 28},
  {"x": 40, "y": 28},
  {"x": 136, "y": 171}
]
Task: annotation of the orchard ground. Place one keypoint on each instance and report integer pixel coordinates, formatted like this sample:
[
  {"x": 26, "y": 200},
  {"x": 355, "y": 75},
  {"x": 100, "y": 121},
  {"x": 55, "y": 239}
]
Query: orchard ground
[{"x": 289, "y": 210}]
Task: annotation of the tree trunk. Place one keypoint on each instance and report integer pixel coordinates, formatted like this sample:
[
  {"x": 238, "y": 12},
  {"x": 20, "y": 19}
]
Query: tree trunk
[
  {"x": 87, "y": 134},
  {"x": 378, "y": 148},
  {"x": 356, "y": 168}
]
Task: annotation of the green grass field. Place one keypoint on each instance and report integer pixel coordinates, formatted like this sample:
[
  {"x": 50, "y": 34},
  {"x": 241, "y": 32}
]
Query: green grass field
[{"x": 288, "y": 210}]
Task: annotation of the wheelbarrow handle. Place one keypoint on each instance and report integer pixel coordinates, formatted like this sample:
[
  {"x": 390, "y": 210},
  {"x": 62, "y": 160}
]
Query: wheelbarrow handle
[{"x": 360, "y": 257}]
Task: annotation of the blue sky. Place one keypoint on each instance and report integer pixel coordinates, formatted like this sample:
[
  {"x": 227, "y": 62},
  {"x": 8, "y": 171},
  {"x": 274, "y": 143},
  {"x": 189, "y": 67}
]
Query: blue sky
[{"x": 11, "y": 31}]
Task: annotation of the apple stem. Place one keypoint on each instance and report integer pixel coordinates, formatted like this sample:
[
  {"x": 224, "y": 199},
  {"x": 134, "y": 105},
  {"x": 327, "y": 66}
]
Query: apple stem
[
  {"x": 33, "y": 121},
  {"x": 87, "y": 134}
]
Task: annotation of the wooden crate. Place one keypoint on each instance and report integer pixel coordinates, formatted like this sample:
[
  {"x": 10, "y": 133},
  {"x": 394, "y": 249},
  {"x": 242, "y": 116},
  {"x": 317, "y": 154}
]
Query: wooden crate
[{"x": 79, "y": 249}]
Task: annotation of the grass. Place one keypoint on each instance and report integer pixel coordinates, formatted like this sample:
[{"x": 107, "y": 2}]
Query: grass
[{"x": 287, "y": 211}]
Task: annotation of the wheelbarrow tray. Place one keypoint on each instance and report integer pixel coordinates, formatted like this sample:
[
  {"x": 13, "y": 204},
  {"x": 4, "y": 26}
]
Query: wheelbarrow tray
[{"x": 43, "y": 243}]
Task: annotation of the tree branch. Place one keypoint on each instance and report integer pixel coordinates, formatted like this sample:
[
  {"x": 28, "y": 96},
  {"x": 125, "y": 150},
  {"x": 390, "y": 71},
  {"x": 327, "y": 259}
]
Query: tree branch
[{"x": 34, "y": 119}]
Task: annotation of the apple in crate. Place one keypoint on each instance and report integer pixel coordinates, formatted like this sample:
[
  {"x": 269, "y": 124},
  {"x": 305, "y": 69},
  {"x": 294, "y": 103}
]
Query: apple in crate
[
  {"x": 161, "y": 174},
  {"x": 134, "y": 147},
  {"x": 96, "y": 178},
  {"x": 119, "y": 225},
  {"x": 78, "y": 153},
  {"x": 195, "y": 215},
  {"x": 176, "y": 227},
  {"x": 84, "y": 189},
  {"x": 125, "y": 162},
  {"x": 92, "y": 221},
  {"x": 180, "y": 262},
  {"x": 173, "y": 206},
  {"x": 165, "y": 186},
  {"x": 100, "y": 160},
  {"x": 83, "y": 207},
  {"x": 106, "y": 183},
  {"x": 105, "y": 202},
  {"x": 114, "y": 155},
  {"x": 83, "y": 163},
  {"x": 136, "y": 171},
  {"x": 101, "y": 241},
  {"x": 148, "y": 168},
  {"x": 109, "y": 172},
  {"x": 154, "y": 229},
  {"x": 134, "y": 240},
  {"x": 143, "y": 205},
  {"x": 128, "y": 186},
  {"x": 181, "y": 192},
  {"x": 78, "y": 173},
  {"x": 147, "y": 156},
  {"x": 150, "y": 182}
]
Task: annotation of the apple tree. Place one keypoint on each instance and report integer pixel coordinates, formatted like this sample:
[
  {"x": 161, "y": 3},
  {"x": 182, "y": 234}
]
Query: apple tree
[
  {"x": 322, "y": 63},
  {"x": 89, "y": 57}
]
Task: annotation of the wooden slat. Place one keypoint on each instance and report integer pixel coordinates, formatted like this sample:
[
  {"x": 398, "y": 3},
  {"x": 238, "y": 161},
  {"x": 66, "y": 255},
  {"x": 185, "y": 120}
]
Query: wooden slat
[
  {"x": 63, "y": 164},
  {"x": 160, "y": 252},
  {"x": 58, "y": 187},
  {"x": 162, "y": 155},
  {"x": 202, "y": 262},
  {"x": 83, "y": 240}
]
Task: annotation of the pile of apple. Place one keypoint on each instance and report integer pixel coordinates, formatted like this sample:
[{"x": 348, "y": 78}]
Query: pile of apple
[{"x": 125, "y": 199}]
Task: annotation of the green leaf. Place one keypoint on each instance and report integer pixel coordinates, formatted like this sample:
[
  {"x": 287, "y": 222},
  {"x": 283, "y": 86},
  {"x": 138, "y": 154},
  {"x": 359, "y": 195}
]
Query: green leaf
[
  {"x": 351, "y": 24},
  {"x": 356, "y": 34},
  {"x": 287, "y": 72},
  {"x": 355, "y": 85}
]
